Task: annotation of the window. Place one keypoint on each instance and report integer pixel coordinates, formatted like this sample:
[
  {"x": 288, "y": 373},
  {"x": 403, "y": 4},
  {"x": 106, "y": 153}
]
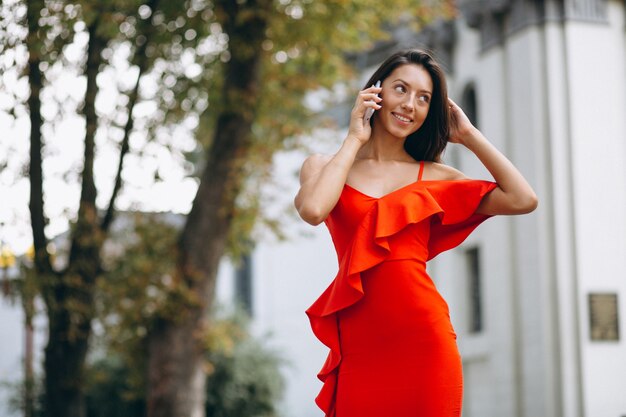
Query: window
[
  {"x": 470, "y": 107},
  {"x": 469, "y": 104},
  {"x": 472, "y": 266},
  {"x": 243, "y": 284}
]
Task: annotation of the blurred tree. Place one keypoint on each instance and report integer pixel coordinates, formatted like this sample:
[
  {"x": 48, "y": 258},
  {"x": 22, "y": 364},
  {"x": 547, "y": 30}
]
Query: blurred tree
[
  {"x": 45, "y": 30},
  {"x": 239, "y": 71},
  {"x": 244, "y": 378},
  {"x": 138, "y": 289},
  {"x": 108, "y": 392},
  {"x": 243, "y": 375}
]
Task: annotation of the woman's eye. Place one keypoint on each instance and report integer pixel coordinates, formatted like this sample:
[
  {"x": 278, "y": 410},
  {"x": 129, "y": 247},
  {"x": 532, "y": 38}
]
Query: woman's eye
[
  {"x": 400, "y": 89},
  {"x": 424, "y": 98}
]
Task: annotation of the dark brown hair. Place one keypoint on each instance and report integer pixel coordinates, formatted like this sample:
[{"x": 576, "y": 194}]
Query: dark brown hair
[{"x": 429, "y": 141}]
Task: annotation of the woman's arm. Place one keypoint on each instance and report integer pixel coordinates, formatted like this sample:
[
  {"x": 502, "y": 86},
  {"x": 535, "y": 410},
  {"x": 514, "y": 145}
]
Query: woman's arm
[
  {"x": 322, "y": 178},
  {"x": 513, "y": 195}
]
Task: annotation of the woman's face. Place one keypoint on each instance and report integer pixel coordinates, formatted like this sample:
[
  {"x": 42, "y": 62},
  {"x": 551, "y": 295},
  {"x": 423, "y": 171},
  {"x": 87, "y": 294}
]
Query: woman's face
[{"x": 406, "y": 94}]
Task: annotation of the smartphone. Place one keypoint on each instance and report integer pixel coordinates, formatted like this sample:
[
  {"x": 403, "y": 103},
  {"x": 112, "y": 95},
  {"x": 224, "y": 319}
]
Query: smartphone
[{"x": 369, "y": 112}]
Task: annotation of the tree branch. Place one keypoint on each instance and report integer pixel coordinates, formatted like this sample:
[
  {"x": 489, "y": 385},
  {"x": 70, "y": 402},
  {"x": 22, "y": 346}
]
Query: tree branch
[{"x": 142, "y": 64}]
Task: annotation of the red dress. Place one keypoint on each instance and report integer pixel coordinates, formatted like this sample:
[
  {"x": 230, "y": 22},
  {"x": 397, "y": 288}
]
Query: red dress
[{"x": 392, "y": 347}]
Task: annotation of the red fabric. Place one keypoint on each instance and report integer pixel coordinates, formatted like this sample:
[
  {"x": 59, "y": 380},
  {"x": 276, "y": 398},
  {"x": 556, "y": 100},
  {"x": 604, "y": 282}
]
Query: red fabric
[{"x": 392, "y": 347}]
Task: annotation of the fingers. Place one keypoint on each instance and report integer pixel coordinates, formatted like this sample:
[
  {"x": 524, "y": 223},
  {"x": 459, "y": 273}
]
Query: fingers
[
  {"x": 370, "y": 93},
  {"x": 372, "y": 104},
  {"x": 372, "y": 89},
  {"x": 370, "y": 99}
]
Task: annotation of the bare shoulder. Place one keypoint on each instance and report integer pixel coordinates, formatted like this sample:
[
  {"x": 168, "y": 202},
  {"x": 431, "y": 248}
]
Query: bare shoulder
[
  {"x": 312, "y": 165},
  {"x": 439, "y": 171}
]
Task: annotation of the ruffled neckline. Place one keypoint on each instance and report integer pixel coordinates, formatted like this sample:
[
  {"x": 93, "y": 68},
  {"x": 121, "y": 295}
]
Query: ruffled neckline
[{"x": 409, "y": 185}]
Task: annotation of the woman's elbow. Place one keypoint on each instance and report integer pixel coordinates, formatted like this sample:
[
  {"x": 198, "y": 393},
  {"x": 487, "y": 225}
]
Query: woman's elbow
[
  {"x": 527, "y": 204},
  {"x": 311, "y": 215}
]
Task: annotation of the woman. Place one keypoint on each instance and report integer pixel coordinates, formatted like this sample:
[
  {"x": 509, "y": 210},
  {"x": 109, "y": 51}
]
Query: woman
[{"x": 390, "y": 206}]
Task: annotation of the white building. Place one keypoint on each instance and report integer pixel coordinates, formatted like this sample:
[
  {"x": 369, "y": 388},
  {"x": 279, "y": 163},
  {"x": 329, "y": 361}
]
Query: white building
[{"x": 538, "y": 301}]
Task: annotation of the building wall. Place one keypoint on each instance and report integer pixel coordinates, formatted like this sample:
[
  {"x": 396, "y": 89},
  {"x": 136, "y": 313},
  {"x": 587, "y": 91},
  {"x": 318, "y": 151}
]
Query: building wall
[{"x": 597, "y": 83}]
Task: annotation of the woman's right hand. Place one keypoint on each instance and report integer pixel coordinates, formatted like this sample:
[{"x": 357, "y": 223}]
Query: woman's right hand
[{"x": 367, "y": 99}]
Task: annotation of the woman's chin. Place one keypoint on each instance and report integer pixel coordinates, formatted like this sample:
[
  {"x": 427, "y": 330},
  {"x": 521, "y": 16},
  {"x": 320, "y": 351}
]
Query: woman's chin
[{"x": 401, "y": 133}]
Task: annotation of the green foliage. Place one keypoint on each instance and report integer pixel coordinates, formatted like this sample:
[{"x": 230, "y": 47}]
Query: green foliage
[
  {"x": 243, "y": 381},
  {"x": 244, "y": 378},
  {"x": 109, "y": 392},
  {"x": 16, "y": 395},
  {"x": 141, "y": 268},
  {"x": 138, "y": 287}
]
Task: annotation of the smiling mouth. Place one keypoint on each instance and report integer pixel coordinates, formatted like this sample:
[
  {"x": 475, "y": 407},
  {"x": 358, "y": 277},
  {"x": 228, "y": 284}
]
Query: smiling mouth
[{"x": 402, "y": 118}]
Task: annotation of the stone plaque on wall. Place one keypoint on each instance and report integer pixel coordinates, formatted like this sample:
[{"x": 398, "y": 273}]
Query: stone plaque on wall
[{"x": 603, "y": 317}]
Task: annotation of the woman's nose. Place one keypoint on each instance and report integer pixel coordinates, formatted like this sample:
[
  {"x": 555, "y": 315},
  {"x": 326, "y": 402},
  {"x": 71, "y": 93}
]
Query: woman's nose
[{"x": 407, "y": 105}]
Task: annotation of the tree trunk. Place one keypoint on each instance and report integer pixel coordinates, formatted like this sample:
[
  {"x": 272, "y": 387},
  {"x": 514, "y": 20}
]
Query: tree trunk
[
  {"x": 176, "y": 380},
  {"x": 70, "y": 307}
]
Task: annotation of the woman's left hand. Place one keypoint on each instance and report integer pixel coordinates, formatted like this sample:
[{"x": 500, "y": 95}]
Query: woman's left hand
[
  {"x": 513, "y": 195},
  {"x": 461, "y": 128}
]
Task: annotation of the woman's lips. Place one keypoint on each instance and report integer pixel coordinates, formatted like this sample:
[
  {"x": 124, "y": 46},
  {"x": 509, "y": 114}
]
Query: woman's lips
[{"x": 402, "y": 118}]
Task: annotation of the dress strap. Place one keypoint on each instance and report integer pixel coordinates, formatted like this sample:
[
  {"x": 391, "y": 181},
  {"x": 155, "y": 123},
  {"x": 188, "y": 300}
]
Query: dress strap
[{"x": 419, "y": 177}]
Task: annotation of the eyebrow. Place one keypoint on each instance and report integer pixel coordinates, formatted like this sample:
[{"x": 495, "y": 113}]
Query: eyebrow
[{"x": 405, "y": 83}]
